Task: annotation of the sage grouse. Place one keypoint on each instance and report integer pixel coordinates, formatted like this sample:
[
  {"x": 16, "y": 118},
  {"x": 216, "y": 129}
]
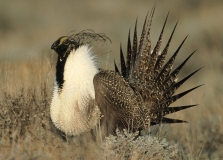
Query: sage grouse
[{"x": 134, "y": 97}]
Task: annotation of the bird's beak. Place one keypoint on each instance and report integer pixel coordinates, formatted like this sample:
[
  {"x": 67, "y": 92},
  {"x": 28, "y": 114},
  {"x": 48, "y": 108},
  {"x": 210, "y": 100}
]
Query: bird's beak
[{"x": 53, "y": 46}]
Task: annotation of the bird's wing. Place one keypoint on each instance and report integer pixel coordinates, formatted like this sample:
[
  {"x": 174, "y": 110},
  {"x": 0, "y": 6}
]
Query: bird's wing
[
  {"x": 118, "y": 102},
  {"x": 146, "y": 72}
]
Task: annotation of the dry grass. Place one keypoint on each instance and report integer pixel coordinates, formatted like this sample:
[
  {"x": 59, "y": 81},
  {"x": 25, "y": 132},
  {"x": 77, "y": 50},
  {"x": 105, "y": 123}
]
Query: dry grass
[{"x": 126, "y": 146}]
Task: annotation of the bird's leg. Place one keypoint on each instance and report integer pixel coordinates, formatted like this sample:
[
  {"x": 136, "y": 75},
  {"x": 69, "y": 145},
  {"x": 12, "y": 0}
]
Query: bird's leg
[
  {"x": 99, "y": 131},
  {"x": 66, "y": 138}
]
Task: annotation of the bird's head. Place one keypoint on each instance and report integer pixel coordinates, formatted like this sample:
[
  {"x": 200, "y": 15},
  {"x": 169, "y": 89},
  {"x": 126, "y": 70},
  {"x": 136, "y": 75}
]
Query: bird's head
[
  {"x": 74, "y": 41},
  {"x": 62, "y": 44}
]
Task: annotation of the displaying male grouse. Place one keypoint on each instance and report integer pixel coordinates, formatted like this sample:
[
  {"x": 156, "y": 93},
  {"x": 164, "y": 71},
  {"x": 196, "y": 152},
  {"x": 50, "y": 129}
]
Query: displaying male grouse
[{"x": 134, "y": 97}]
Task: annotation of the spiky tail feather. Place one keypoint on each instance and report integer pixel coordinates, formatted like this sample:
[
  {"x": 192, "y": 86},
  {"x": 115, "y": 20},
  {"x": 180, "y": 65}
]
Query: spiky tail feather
[{"x": 146, "y": 72}]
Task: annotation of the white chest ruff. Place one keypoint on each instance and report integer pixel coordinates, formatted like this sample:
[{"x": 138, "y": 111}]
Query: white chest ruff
[{"x": 72, "y": 109}]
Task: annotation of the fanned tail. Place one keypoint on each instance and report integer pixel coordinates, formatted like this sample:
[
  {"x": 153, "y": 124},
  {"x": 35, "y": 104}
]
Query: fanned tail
[{"x": 146, "y": 73}]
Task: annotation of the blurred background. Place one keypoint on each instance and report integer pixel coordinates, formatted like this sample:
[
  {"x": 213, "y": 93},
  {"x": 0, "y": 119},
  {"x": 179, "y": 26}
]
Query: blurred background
[{"x": 28, "y": 29}]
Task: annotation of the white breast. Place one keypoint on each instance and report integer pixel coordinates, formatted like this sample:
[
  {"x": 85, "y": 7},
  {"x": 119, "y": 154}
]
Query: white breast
[{"x": 69, "y": 108}]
